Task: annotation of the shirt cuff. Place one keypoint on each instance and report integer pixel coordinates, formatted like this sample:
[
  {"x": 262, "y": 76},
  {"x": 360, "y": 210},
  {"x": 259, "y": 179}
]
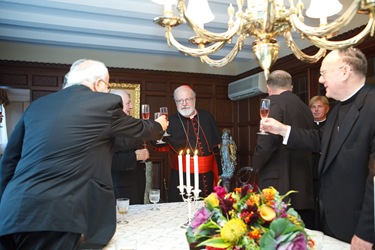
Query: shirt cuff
[{"x": 286, "y": 137}]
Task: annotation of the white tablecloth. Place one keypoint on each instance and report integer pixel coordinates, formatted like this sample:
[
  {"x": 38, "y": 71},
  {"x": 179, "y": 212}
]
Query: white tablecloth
[{"x": 161, "y": 230}]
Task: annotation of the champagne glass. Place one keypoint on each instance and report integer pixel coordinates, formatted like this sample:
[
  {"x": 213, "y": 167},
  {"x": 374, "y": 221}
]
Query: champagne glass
[
  {"x": 154, "y": 196},
  {"x": 164, "y": 111},
  {"x": 160, "y": 141},
  {"x": 264, "y": 111},
  {"x": 145, "y": 110},
  {"x": 122, "y": 205}
]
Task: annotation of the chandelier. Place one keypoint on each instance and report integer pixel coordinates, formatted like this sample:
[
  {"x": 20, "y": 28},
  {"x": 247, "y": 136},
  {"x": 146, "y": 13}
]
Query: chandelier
[{"x": 263, "y": 20}]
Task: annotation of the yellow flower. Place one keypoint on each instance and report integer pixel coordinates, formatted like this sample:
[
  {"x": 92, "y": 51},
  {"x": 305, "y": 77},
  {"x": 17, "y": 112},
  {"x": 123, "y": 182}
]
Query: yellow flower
[
  {"x": 212, "y": 200},
  {"x": 233, "y": 231},
  {"x": 254, "y": 200},
  {"x": 267, "y": 213},
  {"x": 269, "y": 193}
]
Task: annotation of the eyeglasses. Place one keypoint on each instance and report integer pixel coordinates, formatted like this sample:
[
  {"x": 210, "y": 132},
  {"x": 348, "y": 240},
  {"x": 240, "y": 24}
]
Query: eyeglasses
[
  {"x": 187, "y": 100},
  {"x": 323, "y": 73},
  {"x": 106, "y": 83}
]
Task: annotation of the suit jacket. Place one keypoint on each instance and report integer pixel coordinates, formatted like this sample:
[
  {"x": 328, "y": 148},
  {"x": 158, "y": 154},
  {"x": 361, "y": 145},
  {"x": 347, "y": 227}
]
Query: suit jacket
[
  {"x": 55, "y": 174},
  {"x": 286, "y": 169},
  {"x": 346, "y": 168},
  {"x": 128, "y": 175}
]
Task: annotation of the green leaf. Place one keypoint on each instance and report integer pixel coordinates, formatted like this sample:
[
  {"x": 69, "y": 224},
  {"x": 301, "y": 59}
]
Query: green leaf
[{"x": 215, "y": 242}]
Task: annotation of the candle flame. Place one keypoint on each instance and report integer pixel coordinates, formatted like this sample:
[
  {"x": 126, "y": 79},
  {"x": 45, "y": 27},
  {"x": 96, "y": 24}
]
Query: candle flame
[
  {"x": 181, "y": 152},
  {"x": 187, "y": 151},
  {"x": 196, "y": 152}
]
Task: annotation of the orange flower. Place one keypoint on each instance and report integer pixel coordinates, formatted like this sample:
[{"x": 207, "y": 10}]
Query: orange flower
[
  {"x": 267, "y": 213},
  {"x": 255, "y": 233},
  {"x": 253, "y": 200}
]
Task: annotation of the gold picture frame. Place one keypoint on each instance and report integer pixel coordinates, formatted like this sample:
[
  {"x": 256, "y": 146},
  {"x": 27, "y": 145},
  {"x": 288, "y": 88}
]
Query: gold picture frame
[{"x": 134, "y": 90}]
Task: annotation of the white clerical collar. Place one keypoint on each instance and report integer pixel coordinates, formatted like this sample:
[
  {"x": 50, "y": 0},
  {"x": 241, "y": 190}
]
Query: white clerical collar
[
  {"x": 317, "y": 122},
  {"x": 355, "y": 92},
  {"x": 193, "y": 115}
]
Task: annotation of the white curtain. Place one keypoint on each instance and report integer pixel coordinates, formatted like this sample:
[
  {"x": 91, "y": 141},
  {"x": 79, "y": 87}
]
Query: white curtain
[{"x": 3, "y": 130}]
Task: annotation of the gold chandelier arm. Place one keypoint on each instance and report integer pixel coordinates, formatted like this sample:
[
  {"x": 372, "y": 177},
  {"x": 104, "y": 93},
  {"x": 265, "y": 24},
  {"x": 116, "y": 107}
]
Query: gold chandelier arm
[
  {"x": 225, "y": 60},
  {"x": 331, "y": 45},
  {"x": 195, "y": 52},
  {"x": 301, "y": 55},
  {"x": 330, "y": 28},
  {"x": 215, "y": 37}
]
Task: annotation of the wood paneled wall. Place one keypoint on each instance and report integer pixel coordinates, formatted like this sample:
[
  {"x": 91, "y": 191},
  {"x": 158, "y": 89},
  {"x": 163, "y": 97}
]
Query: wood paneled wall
[{"x": 157, "y": 87}]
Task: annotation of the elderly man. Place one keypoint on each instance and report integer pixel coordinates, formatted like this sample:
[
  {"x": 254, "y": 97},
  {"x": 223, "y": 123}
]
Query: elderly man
[
  {"x": 195, "y": 130},
  {"x": 55, "y": 174},
  {"x": 128, "y": 166},
  {"x": 347, "y": 163},
  {"x": 286, "y": 169}
]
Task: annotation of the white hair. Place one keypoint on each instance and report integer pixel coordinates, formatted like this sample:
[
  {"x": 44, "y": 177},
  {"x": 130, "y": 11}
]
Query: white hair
[{"x": 85, "y": 70}]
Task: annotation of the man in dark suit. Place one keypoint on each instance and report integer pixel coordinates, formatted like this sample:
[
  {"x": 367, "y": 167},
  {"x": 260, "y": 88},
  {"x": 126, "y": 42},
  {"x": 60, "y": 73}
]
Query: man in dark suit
[
  {"x": 55, "y": 174},
  {"x": 286, "y": 169},
  {"x": 347, "y": 143},
  {"x": 128, "y": 162},
  {"x": 319, "y": 106}
]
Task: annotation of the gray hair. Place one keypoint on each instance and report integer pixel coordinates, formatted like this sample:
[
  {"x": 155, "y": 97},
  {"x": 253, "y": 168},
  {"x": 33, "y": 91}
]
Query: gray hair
[
  {"x": 85, "y": 70},
  {"x": 280, "y": 79},
  {"x": 183, "y": 87},
  {"x": 355, "y": 58}
]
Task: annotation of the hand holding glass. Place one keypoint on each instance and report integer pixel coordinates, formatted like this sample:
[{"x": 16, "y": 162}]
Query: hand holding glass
[
  {"x": 154, "y": 196},
  {"x": 122, "y": 205},
  {"x": 164, "y": 111},
  {"x": 145, "y": 109},
  {"x": 156, "y": 116},
  {"x": 264, "y": 111}
]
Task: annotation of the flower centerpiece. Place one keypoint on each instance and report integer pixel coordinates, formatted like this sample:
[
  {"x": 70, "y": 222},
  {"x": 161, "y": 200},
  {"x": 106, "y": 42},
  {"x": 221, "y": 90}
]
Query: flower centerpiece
[{"x": 247, "y": 220}]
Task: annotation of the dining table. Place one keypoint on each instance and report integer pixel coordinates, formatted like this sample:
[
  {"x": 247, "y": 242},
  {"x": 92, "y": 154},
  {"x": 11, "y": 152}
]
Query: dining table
[{"x": 165, "y": 228}]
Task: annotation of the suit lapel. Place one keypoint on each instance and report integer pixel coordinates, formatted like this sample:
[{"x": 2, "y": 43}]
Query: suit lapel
[{"x": 330, "y": 151}]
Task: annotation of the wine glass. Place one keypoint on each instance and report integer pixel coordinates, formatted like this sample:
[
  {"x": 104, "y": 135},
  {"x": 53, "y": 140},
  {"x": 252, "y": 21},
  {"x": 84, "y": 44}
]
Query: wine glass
[
  {"x": 164, "y": 111},
  {"x": 145, "y": 110},
  {"x": 264, "y": 111},
  {"x": 156, "y": 116},
  {"x": 154, "y": 196},
  {"x": 122, "y": 205}
]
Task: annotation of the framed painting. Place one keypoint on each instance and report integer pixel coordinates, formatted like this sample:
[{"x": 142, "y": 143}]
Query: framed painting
[{"x": 134, "y": 90}]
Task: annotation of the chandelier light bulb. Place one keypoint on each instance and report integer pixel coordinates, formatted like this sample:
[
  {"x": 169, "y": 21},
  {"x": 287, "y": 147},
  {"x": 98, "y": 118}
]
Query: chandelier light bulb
[
  {"x": 199, "y": 12},
  {"x": 323, "y": 8}
]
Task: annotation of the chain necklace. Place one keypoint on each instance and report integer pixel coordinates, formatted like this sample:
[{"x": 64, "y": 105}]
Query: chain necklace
[{"x": 187, "y": 136}]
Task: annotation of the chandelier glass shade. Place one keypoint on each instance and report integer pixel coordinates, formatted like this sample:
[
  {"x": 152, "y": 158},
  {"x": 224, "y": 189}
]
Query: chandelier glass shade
[{"x": 264, "y": 21}]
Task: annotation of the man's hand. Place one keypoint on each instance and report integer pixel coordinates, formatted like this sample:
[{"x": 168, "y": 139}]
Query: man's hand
[
  {"x": 142, "y": 154},
  {"x": 163, "y": 121},
  {"x": 273, "y": 126},
  {"x": 359, "y": 244}
]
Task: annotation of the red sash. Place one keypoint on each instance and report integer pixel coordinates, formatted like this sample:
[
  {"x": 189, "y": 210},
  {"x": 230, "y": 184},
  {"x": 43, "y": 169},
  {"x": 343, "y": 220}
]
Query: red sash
[{"x": 205, "y": 164}]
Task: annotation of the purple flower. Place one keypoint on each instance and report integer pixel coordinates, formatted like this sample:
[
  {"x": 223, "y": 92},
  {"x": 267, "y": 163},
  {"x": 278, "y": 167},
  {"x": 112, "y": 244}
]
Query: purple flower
[
  {"x": 200, "y": 217},
  {"x": 298, "y": 243}
]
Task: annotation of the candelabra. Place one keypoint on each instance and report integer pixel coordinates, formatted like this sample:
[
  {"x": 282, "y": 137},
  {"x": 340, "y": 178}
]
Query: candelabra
[
  {"x": 263, "y": 20},
  {"x": 191, "y": 195}
]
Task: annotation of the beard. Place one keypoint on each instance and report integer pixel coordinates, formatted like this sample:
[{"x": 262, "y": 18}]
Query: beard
[{"x": 186, "y": 111}]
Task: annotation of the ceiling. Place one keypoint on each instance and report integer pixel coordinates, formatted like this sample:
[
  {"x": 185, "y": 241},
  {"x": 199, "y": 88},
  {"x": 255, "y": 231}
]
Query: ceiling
[{"x": 116, "y": 26}]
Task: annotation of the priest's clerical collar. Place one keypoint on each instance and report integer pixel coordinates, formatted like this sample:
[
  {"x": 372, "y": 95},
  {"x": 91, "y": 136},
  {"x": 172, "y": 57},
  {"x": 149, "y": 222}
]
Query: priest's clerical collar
[
  {"x": 317, "y": 122},
  {"x": 350, "y": 99},
  {"x": 193, "y": 115}
]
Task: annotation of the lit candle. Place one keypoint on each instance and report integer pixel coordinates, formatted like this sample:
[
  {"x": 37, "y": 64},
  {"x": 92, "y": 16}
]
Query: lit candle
[
  {"x": 196, "y": 171},
  {"x": 180, "y": 171},
  {"x": 187, "y": 170}
]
